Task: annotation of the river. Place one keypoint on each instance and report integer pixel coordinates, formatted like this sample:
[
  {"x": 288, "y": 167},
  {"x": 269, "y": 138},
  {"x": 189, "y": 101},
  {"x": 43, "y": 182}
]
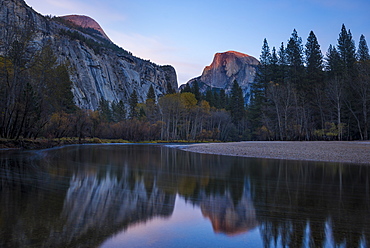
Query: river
[{"x": 160, "y": 196}]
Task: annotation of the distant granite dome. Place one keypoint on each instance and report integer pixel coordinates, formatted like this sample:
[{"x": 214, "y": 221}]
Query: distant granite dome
[
  {"x": 85, "y": 22},
  {"x": 225, "y": 68},
  {"x": 98, "y": 69}
]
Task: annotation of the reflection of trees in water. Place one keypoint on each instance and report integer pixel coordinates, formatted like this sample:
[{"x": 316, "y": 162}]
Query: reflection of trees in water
[
  {"x": 327, "y": 200},
  {"x": 80, "y": 209},
  {"x": 92, "y": 192}
]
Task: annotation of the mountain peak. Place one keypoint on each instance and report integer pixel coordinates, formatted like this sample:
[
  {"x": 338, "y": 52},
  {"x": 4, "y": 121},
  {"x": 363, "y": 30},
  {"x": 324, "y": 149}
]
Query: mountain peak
[
  {"x": 227, "y": 67},
  {"x": 85, "y": 22},
  {"x": 238, "y": 54},
  {"x": 231, "y": 62}
]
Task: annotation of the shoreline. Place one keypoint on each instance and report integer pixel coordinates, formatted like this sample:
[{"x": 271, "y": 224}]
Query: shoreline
[{"x": 357, "y": 152}]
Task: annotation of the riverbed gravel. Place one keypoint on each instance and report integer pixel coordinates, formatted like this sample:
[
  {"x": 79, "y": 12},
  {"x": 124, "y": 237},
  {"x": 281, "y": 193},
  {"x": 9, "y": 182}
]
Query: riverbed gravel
[{"x": 329, "y": 151}]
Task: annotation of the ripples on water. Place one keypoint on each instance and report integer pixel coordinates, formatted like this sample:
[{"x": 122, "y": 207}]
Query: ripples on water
[{"x": 159, "y": 196}]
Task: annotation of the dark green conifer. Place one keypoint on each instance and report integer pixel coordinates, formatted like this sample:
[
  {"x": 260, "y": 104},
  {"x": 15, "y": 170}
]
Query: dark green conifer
[
  {"x": 133, "y": 101},
  {"x": 363, "y": 50},
  {"x": 151, "y": 94},
  {"x": 195, "y": 90},
  {"x": 347, "y": 51},
  {"x": 237, "y": 108},
  {"x": 118, "y": 111}
]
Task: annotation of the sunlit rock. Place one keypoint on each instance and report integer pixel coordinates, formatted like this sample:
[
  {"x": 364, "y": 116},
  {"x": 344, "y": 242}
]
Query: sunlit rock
[
  {"x": 225, "y": 68},
  {"x": 97, "y": 73}
]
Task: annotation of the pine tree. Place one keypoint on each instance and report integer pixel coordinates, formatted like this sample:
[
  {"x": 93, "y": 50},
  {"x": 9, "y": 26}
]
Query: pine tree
[
  {"x": 216, "y": 100},
  {"x": 282, "y": 65},
  {"x": 332, "y": 61},
  {"x": 259, "y": 88},
  {"x": 313, "y": 53},
  {"x": 170, "y": 89},
  {"x": 187, "y": 88},
  {"x": 265, "y": 57},
  {"x": 151, "y": 94},
  {"x": 105, "y": 110},
  {"x": 237, "y": 108},
  {"x": 314, "y": 80},
  {"x": 209, "y": 98},
  {"x": 118, "y": 111},
  {"x": 361, "y": 89},
  {"x": 294, "y": 55},
  {"x": 335, "y": 85},
  {"x": 133, "y": 101},
  {"x": 314, "y": 64},
  {"x": 363, "y": 50},
  {"x": 195, "y": 90},
  {"x": 347, "y": 50}
]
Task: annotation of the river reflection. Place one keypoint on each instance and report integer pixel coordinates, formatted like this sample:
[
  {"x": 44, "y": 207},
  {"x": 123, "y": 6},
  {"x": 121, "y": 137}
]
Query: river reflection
[{"x": 157, "y": 196}]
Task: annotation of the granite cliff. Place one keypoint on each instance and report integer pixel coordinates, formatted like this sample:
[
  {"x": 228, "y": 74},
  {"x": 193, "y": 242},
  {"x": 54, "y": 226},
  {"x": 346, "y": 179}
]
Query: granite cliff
[
  {"x": 98, "y": 68},
  {"x": 225, "y": 68},
  {"x": 85, "y": 22}
]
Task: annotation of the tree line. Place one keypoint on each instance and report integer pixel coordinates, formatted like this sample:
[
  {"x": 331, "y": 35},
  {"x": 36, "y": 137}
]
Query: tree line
[
  {"x": 32, "y": 84},
  {"x": 36, "y": 101},
  {"x": 300, "y": 94},
  {"x": 174, "y": 116}
]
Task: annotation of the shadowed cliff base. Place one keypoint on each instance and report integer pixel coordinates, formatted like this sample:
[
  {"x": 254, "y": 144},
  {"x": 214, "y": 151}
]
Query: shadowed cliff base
[{"x": 332, "y": 151}]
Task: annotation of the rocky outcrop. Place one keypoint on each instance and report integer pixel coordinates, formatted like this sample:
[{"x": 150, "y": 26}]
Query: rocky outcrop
[
  {"x": 85, "y": 22},
  {"x": 225, "y": 68},
  {"x": 98, "y": 68}
]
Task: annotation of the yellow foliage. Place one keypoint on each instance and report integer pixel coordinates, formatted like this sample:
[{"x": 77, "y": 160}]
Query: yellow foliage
[{"x": 189, "y": 100}]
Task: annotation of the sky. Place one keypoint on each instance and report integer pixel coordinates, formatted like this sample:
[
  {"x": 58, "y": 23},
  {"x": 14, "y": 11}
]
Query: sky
[{"x": 187, "y": 34}]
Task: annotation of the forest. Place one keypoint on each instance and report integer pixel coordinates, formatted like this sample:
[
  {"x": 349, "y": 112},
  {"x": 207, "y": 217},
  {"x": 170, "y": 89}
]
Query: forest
[{"x": 299, "y": 94}]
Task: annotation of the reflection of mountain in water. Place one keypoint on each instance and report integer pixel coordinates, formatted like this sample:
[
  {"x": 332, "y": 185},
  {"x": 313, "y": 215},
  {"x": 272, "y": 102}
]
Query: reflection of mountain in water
[
  {"x": 41, "y": 211},
  {"x": 108, "y": 205},
  {"x": 226, "y": 216},
  {"x": 80, "y": 196}
]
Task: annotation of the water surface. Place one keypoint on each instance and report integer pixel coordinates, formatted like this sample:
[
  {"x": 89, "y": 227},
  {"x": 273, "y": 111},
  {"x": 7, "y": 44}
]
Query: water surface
[{"x": 158, "y": 196}]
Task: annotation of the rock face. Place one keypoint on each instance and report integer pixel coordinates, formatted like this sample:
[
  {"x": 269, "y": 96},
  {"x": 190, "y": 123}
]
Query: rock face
[
  {"x": 225, "y": 68},
  {"x": 108, "y": 72},
  {"x": 85, "y": 22}
]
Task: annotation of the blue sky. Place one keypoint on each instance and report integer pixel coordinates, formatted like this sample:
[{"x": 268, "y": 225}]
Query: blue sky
[{"x": 187, "y": 34}]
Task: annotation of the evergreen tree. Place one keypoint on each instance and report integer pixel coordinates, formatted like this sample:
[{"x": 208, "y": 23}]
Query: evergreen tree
[
  {"x": 282, "y": 65},
  {"x": 209, "y": 98},
  {"x": 363, "y": 50},
  {"x": 105, "y": 110},
  {"x": 118, "y": 111},
  {"x": 259, "y": 98},
  {"x": 335, "y": 86},
  {"x": 195, "y": 90},
  {"x": 282, "y": 55},
  {"x": 332, "y": 61},
  {"x": 314, "y": 80},
  {"x": 314, "y": 58},
  {"x": 187, "y": 88},
  {"x": 237, "y": 109},
  {"x": 294, "y": 55},
  {"x": 347, "y": 51},
  {"x": 223, "y": 99},
  {"x": 265, "y": 57},
  {"x": 133, "y": 101},
  {"x": 151, "y": 94},
  {"x": 216, "y": 100},
  {"x": 314, "y": 64},
  {"x": 274, "y": 66},
  {"x": 170, "y": 89}
]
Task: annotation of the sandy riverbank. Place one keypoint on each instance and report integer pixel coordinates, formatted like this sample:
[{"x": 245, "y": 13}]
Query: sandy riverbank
[{"x": 330, "y": 151}]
